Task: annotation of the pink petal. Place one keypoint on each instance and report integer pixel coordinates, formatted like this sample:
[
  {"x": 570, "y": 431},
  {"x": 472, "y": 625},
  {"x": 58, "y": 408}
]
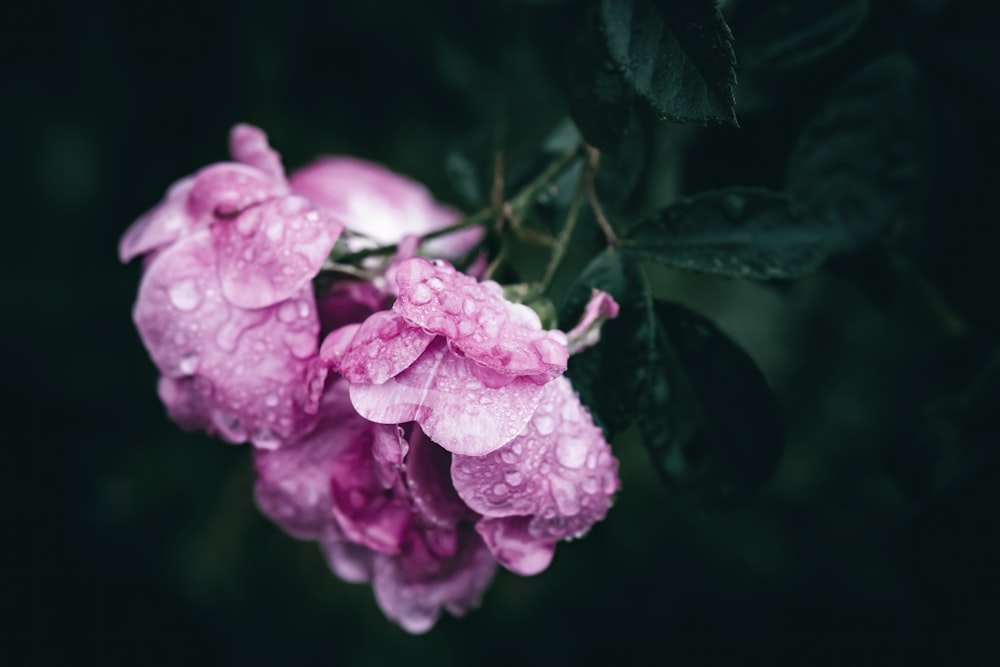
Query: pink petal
[
  {"x": 513, "y": 545},
  {"x": 502, "y": 336},
  {"x": 253, "y": 365},
  {"x": 163, "y": 224},
  {"x": 248, "y": 144},
  {"x": 225, "y": 189},
  {"x": 414, "y": 587},
  {"x": 455, "y": 409},
  {"x": 601, "y": 307},
  {"x": 559, "y": 471},
  {"x": 293, "y": 481},
  {"x": 271, "y": 251},
  {"x": 428, "y": 478},
  {"x": 351, "y": 562},
  {"x": 381, "y": 204},
  {"x": 383, "y": 346}
]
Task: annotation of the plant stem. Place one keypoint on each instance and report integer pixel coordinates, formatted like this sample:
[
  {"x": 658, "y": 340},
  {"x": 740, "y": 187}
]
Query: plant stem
[
  {"x": 561, "y": 243},
  {"x": 589, "y": 181}
]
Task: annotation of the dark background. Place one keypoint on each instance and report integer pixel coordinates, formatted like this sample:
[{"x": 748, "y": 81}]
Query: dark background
[{"x": 875, "y": 542}]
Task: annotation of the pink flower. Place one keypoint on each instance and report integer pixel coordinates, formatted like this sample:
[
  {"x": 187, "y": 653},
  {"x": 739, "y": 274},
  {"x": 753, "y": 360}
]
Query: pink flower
[
  {"x": 383, "y": 510},
  {"x": 381, "y": 205},
  {"x": 452, "y": 355},
  {"x": 225, "y": 306}
]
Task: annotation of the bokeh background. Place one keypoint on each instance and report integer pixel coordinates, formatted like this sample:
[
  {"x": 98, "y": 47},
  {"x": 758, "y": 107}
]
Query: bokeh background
[{"x": 875, "y": 542}]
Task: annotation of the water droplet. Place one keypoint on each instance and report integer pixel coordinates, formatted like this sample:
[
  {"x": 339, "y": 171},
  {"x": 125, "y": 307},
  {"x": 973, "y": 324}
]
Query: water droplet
[
  {"x": 188, "y": 365},
  {"x": 499, "y": 489},
  {"x": 271, "y": 400},
  {"x": 303, "y": 309},
  {"x": 571, "y": 452},
  {"x": 507, "y": 455},
  {"x": 435, "y": 284},
  {"x": 311, "y": 216},
  {"x": 567, "y": 499},
  {"x": 389, "y": 330},
  {"x": 420, "y": 295},
  {"x": 469, "y": 307},
  {"x": 275, "y": 231},
  {"x": 185, "y": 295},
  {"x": 286, "y": 312},
  {"x": 513, "y": 478},
  {"x": 591, "y": 485},
  {"x": 550, "y": 352},
  {"x": 544, "y": 424}
]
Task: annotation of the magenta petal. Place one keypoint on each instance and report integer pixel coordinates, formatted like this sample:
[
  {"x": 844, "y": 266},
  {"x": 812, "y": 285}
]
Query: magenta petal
[
  {"x": 514, "y": 547},
  {"x": 428, "y": 478},
  {"x": 248, "y": 144},
  {"x": 559, "y": 470},
  {"x": 601, "y": 307},
  {"x": 389, "y": 448},
  {"x": 413, "y": 587},
  {"x": 454, "y": 408},
  {"x": 347, "y": 302},
  {"x": 253, "y": 364},
  {"x": 502, "y": 336},
  {"x": 271, "y": 251},
  {"x": 224, "y": 189},
  {"x": 293, "y": 481},
  {"x": 164, "y": 224},
  {"x": 383, "y": 346},
  {"x": 369, "y": 513}
]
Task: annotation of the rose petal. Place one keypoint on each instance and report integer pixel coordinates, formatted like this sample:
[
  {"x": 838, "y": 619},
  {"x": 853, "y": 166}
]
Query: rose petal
[
  {"x": 383, "y": 346},
  {"x": 502, "y": 336},
  {"x": 559, "y": 470},
  {"x": 271, "y": 251},
  {"x": 454, "y": 408},
  {"x": 225, "y": 189},
  {"x": 382, "y": 205},
  {"x": 428, "y": 478},
  {"x": 163, "y": 224},
  {"x": 587, "y": 332},
  {"x": 415, "y": 586},
  {"x": 248, "y": 144},
  {"x": 514, "y": 547}
]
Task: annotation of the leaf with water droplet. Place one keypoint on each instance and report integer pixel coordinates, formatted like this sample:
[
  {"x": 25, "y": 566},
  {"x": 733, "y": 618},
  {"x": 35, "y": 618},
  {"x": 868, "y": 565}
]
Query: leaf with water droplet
[
  {"x": 739, "y": 232},
  {"x": 709, "y": 419},
  {"x": 605, "y": 375},
  {"x": 675, "y": 54}
]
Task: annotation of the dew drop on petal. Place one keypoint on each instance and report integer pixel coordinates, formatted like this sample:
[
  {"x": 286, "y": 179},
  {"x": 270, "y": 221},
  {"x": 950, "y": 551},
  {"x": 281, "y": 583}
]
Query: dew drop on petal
[
  {"x": 188, "y": 365},
  {"x": 514, "y": 478},
  {"x": 571, "y": 452},
  {"x": 286, "y": 312},
  {"x": 185, "y": 295},
  {"x": 420, "y": 295},
  {"x": 544, "y": 424}
]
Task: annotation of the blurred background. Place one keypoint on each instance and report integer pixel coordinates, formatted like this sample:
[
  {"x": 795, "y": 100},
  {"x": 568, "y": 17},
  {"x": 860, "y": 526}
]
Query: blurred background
[{"x": 875, "y": 541}]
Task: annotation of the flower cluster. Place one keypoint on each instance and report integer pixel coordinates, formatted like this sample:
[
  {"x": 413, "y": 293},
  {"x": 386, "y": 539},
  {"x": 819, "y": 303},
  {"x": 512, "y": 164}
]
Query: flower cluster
[{"x": 418, "y": 425}]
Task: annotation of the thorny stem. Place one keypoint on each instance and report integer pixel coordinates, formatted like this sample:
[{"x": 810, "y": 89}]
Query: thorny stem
[
  {"x": 589, "y": 180},
  {"x": 514, "y": 208}
]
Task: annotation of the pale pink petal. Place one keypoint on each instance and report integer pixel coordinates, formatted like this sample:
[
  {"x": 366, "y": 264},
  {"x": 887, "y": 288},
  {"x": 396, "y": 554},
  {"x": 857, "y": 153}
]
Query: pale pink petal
[
  {"x": 559, "y": 471},
  {"x": 454, "y": 408},
  {"x": 248, "y": 144},
  {"x": 253, "y": 364},
  {"x": 272, "y": 250},
  {"x": 165, "y": 223},
  {"x": 428, "y": 478},
  {"x": 225, "y": 189},
  {"x": 349, "y": 561},
  {"x": 502, "y": 336},
  {"x": 587, "y": 332},
  {"x": 380, "y": 204},
  {"x": 185, "y": 404},
  {"x": 293, "y": 481},
  {"x": 383, "y": 346},
  {"x": 513, "y": 545},
  {"x": 415, "y": 586}
]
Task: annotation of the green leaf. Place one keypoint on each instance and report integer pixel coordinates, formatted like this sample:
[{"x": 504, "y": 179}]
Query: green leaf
[
  {"x": 789, "y": 34},
  {"x": 608, "y": 375},
  {"x": 738, "y": 232},
  {"x": 858, "y": 162},
  {"x": 599, "y": 101},
  {"x": 676, "y": 54},
  {"x": 709, "y": 418}
]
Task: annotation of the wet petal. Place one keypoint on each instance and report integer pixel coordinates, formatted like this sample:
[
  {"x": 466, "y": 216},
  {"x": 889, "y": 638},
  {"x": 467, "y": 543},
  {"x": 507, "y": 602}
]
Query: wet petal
[
  {"x": 383, "y": 346},
  {"x": 225, "y": 189},
  {"x": 513, "y": 545},
  {"x": 270, "y": 251},
  {"x": 413, "y": 587},
  {"x": 454, "y": 408},
  {"x": 587, "y": 332},
  {"x": 248, "y": 144},
  {"x": 428, "y": 478},
  {"x": 559, "y": 471},
  {"x": 163, "y": 224}
]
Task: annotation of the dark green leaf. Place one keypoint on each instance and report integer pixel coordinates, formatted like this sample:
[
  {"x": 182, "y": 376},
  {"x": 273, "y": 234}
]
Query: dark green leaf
[
  {"x": 787, "y": 34},
  {"x": 739, "y": 232},
  {"x": 607, "y": 375},
  {"x": 598, "y": 99},
  {"x": 857, "y": 164},
  {"x": 709, "y": 418},
  {"x": 676, "y": 54}
]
